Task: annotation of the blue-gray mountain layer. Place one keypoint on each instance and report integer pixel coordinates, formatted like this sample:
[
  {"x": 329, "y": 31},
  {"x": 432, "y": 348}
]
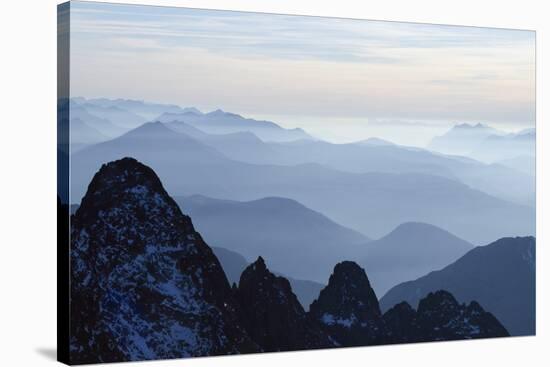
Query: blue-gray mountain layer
[
  {"x": 373, "y": 203},
  {"x": 500, "y": 276}
]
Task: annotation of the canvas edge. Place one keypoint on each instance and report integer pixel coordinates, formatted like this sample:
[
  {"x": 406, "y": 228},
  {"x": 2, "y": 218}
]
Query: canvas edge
[{"x": 63, "y": 254}]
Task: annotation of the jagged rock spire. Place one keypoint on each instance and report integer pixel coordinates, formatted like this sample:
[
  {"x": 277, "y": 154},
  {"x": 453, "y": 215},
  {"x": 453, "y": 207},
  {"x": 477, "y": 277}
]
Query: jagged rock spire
[{"x": 271, "y": 313}]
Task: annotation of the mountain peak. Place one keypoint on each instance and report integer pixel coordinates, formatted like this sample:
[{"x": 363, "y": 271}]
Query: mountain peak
[
  {"x": 132, "y": 253},
  {"x": 348, "y": 270},
  {"x": 150, "y": 128},
  {"x": 271, "y": 313},
  {"x": 277, "y": 202},
  {"x": 411, "y": 231},
  {"x": 441, "y": 317},
  {"x": 217, "y": 112},
  {"x": 478, "y": 126},
  {"x": 407, "y": 227},
  {"x": 422, "y": 248},
  {"x": 191, "y": 110},
  {"x": 437, "y": 301},
  {"x": 373, "y": 141},
  {"x": 125, "y": 180},
  {"x": 347, "y": 308},
  {"x": 462, "y": 139},
  {"x": 125, "y": 172},
  {"x": 259, "y": 264}
]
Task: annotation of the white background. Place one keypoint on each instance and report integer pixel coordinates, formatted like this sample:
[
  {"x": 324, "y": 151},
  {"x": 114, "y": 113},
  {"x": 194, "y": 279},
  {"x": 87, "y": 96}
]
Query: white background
[{"x": 28, "y": 182}]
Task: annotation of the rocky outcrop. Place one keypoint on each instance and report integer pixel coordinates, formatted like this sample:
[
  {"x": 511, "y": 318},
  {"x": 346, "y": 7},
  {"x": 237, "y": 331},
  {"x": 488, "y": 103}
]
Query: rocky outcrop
[
  {"x": 271, "y": 313},
  {"x": 402, "y": 324},
  {"x": 441, "y": 317},
  {"x": 347, "y": 308},
  {"x": 144, "y": 284},
  {"x": 348, "y": 311}
]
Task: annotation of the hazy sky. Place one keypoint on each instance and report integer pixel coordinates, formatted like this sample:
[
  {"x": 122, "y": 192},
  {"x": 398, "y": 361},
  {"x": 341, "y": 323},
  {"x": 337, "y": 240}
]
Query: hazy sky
[{"x": 331, "y": 76}]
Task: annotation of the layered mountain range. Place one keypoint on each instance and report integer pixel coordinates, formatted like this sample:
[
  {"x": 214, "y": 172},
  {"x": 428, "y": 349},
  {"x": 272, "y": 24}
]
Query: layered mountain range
[
  {"x": 276, "y": 227},
  {"x": 461, "y": 139},
  {"x": 373, "y": 203},
  {"x": 500, "y": 276},
  {"x": 221, "y": 122},
  {"x": 145, "y": 285},
  {"x": 486, "y": 144},
  {"x": 372, "y": 155},
  {"x": 243, "y": 139},
  {"x": 408, "y": 252},
  {"x": 273, "y": 227},
  {"x": 113, "y": 117}
]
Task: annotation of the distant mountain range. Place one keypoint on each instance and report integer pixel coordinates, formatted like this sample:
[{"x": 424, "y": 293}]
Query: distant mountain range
[
  {"x": 264, "y": 142},
  {"x": 112, "y": 117},
  {"x": 146, "y": 110},
  {"x": 375, "y": 142},
  {"x": 506, "y": 147},
  {"x": 484, "y": 143},
  {"x": 221, "y": 122},
  {"x": 117, "y": 115},
  {"x": 461, "y": 139},
  {"x": 369, "y": 156},
  {"x": 500, "y": 276},
  {"x": 274, "y": 228},
  {"x": 104, "y": 126},
  {"x": 282, "y": 226},
  {"x": 82, "y": 133},
  {"x": 408, "y": 252},
  {"x": 373, "y": 203}
]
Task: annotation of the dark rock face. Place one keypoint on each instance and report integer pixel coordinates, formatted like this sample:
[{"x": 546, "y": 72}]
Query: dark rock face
[
  {"x": 441, "y": 317},
  {"x": 348, "y": 311},
  {"x": 402, "y": 324},
  {"x": 234, "y": 264},
  {"x": 144, "y": 285},
  {"x": 347, "y": 308},
  {"x": 272, "y": 315}
]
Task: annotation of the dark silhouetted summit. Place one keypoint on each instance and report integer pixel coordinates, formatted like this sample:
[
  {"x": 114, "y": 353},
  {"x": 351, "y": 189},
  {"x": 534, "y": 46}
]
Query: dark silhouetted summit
[
  {"x": 234, "y": 264},
  {"x": 271, "y": 313},
  {"x": 144, "y": 284},
  {"x": 347, "y": 308},
  {"x": 441, "y": 317}
]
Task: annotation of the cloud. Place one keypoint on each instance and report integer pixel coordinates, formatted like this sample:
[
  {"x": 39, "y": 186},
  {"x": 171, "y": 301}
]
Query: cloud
[
  {"x": 261, "y": 63},
  {"x": 281, "y": 36}
]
